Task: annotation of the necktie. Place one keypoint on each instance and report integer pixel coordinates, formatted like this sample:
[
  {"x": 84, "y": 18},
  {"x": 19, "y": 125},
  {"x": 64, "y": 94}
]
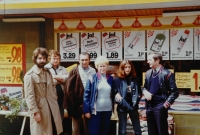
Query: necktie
[{"x": 154, "y": 72}]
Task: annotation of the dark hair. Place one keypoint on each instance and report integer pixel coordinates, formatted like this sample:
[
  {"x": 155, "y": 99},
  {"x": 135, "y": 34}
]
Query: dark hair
[
  {"x": 53, "y": 52},
  {"x": 156, "y": 56},
  {"x": 37, "y": 51},
  {"x": 84, "y": 53},
  {"x": 121, "y": 73}
]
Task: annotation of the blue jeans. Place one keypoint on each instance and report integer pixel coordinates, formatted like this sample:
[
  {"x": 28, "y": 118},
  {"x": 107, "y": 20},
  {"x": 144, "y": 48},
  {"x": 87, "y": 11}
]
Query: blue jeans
[
  {"x": 123, "y": 121},
  {"x": 157, "y": 119},
  {"x": 99, "y": 123}
]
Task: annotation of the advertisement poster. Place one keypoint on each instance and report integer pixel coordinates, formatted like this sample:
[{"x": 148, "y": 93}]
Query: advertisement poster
[
  {"x": 69, "y": 46},
  {"x": 197, "y": 43},
  {"x": 112, "y": 45},
  {"x": 12, "y": 62},
  {"x": 158, "y": 41},
  {"x": 181, "y": 44},
  {"x": 134, "y": 45},
  {"x": 91, "y": 43}
]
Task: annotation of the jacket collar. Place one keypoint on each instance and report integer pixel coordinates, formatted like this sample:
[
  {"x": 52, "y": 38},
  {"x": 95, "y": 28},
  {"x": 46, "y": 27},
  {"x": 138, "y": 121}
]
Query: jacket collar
[
  {"x": 99, "y": 75},
  {"x": 49, "y": 65},
  {"x": 36, "y": 69}
]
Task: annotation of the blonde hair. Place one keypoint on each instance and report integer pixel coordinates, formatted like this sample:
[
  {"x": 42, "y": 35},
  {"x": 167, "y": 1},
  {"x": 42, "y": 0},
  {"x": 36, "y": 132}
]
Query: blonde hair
[{"x": 101, "y": 60}]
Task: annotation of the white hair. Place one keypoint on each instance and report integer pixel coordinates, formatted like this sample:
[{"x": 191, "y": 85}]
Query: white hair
[{"x": 101, "y": 60}]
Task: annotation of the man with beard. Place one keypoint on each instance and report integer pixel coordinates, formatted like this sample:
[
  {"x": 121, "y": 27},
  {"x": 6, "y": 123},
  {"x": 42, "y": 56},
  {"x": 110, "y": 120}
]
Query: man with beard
[{"x": 41, "y": 98}]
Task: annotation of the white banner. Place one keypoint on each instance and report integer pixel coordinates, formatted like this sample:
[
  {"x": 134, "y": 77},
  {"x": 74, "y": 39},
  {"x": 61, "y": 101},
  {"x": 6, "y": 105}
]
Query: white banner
[
  {"x": 134, "y": 45},
  {"x": 158, "y": 41},
  {"x": 91, "y": 43},
  {"x": 197, "y": 44},
  {"x": 112, "y": 45},
  {"x": 181, "y": 44},
  {"x": 69, "y": 46}
]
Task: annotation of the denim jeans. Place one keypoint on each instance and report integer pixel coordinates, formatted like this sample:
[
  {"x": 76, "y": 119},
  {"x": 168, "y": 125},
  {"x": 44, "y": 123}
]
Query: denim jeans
[
  {"x": 133, "y": 114},
  {"x": 157, "y": 119},
  {"x": 99, "y": 123}
]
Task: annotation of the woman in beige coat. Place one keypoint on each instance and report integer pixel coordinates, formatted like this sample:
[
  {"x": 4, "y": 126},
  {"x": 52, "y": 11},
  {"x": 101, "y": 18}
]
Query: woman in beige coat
[{"x": 41, "y": 99}]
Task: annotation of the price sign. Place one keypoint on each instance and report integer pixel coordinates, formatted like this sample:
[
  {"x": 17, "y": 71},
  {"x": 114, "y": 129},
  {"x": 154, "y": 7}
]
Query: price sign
[
  {"x": 195, "y": 80},
  {"x": 69, "y": 48},
  {"x": 12, "y": 62},
  {"x": 11, "y": 54},
  {"x": 112, "y": 45},
  {"x": 134, "y": 45},
  {"x": 10, "y": 74},
  {"x": 91, "y": 43}
]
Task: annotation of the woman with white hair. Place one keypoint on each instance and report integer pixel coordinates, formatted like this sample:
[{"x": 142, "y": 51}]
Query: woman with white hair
[{"x": 97, "y": 102}]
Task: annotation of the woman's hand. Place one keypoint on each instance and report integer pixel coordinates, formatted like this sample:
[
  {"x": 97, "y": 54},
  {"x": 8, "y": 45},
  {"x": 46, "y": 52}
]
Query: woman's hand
[
  {"x": 87, "y": 115},
  {"x": 118, "y": 97}
]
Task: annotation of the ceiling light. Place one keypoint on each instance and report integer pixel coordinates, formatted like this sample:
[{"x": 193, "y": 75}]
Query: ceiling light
[
  {"x": 188, "y": 13},
  {"x": 38, "y": 19}
]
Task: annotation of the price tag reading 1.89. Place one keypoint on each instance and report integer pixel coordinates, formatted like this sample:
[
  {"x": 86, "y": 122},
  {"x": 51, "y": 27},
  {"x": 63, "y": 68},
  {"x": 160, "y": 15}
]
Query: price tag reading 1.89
[{"x": 195, "y": 80}]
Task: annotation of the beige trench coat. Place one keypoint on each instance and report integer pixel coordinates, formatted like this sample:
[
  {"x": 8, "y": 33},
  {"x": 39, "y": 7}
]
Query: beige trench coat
[{"x": 41, "y": 100}]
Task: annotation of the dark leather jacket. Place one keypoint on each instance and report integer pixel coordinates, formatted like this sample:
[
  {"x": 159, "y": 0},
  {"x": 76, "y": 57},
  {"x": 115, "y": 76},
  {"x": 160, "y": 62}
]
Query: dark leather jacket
[
  {"x": 120, "y": 86},
  {"x": 91, "y": 92},
  {"x": 167, "y": 84}
]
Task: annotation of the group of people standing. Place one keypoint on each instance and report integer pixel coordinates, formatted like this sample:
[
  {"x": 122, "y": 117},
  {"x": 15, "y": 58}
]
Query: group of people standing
[{"x": 89, "y": 94}]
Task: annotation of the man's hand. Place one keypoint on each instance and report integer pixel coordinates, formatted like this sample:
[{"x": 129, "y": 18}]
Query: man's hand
[
  {"x": 37, "y": 117},
  {"x": 147, "y": 95},
  {"x": 87, "y": 115},
  {"x": 118, "y": 97}
]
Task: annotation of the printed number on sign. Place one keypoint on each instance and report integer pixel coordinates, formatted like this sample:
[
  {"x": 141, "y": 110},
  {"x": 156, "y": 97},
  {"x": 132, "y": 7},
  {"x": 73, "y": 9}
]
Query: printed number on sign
[
  {"x": 15, "y": 74},
  {"x": 112, "y": 55},
  {"x": 196, "y": 81},
  {"x": 93, "y": 55},
  {"x": 16, "y": 54},
  {"x": 69, "y": 55},
  {"x": 140, "y": 54}
]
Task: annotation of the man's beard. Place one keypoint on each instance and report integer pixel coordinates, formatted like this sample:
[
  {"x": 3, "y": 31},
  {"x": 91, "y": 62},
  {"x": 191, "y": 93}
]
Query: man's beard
[{"x": 40, "y": 65}]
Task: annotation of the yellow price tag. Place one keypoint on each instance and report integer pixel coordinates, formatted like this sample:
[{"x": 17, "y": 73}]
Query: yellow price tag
[
  {"x": 10, "y": 54},
  {"x": 10, "y": 74},
  {"x": 195, "y": 80}
]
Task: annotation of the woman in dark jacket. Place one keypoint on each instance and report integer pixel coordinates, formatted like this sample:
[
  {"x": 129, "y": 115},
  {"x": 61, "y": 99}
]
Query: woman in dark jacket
[{"x": 128, "y": 94}]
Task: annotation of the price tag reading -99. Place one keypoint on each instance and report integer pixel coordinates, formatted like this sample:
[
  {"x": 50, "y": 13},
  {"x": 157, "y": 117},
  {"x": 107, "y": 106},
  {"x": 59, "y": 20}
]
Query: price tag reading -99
[
  {"x": 69, "y": 55},
  {"x": 195, "y": 80},
  {"x": 112, "y": 55}
]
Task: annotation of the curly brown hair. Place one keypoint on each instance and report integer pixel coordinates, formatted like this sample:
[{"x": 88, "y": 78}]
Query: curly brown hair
[
  {"x": 121, "y": 73},
  {"x": 37, "y": 51}
]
